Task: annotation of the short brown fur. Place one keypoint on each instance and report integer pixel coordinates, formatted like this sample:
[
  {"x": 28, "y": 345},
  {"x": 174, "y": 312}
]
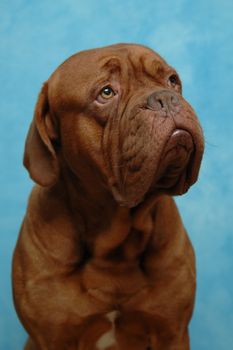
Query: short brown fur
[{"x": 99, "y": 234}]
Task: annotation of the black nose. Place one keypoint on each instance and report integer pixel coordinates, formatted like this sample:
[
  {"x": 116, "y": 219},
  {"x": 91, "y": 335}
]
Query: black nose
[{"x": 165, "y": 101}]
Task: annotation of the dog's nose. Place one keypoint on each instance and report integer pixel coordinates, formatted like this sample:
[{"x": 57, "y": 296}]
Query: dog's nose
[{"x": 164, "y": 101}]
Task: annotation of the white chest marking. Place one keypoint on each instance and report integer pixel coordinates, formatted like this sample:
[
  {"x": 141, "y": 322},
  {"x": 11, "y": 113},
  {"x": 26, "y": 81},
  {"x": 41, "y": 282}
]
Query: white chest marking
[{"x": 108, "y": 339}]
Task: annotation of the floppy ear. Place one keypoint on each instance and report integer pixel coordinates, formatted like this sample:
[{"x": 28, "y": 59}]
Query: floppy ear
[{"x": 39, "y": 155}]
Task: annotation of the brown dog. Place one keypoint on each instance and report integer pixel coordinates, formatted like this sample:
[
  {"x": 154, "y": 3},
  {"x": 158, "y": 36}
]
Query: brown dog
[{"x": 103, "y": 261}]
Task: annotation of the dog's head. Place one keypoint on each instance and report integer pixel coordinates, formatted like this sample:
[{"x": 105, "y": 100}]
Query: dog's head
[{"x": 117, "y": 112}]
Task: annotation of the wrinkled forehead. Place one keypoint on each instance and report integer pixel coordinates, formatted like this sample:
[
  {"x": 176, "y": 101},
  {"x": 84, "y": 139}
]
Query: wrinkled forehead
[{"x": 119, "y": 58}]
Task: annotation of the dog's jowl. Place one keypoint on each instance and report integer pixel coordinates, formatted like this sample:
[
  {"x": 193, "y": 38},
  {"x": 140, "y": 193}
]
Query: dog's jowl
[{"x": 103, "y": 260}]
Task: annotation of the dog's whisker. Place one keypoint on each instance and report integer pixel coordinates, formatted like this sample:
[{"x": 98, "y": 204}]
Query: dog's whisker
[{"x": 211, "y": 144}]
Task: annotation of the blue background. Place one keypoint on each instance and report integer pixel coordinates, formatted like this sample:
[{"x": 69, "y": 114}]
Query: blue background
[{"x": 194, "y": 36}]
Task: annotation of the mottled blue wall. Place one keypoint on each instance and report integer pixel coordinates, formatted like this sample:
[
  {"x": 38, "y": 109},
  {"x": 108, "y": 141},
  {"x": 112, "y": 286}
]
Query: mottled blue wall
[{"x": 194, "y": 36}]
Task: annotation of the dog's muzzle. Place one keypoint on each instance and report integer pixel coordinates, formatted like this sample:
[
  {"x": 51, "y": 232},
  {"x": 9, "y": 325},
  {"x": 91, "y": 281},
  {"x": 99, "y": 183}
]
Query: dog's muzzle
[
  {"x": 175, "y": 166},
  {"x": 160, "y": 145}
]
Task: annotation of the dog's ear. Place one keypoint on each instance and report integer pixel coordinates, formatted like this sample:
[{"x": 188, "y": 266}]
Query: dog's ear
[{"x": 40, "y": 157}]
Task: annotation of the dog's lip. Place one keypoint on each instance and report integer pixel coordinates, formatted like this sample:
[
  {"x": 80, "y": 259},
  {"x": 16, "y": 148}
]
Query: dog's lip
[
  {"x": 175, "y": 173},
  {"x": 179, "y": 137}
]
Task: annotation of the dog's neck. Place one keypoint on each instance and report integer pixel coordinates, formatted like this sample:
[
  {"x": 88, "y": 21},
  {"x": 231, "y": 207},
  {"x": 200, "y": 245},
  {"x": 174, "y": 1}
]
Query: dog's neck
[
  {"x": 104, "y": 223},
  {"x": 90, "y": 218},
  {"x": 94, "y": 210},
  {"x": 88, "y": 200}
]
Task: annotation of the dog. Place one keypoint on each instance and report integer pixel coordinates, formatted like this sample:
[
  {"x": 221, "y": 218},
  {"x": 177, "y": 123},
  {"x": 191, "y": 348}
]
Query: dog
[{"x": 103, "y": 261}]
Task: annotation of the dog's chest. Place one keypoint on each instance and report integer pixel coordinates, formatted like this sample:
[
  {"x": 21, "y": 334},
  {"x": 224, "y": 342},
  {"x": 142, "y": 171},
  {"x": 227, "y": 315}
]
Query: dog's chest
[
  {"x": 115, "y": 271},
  {"x": 113, "y": 282}
]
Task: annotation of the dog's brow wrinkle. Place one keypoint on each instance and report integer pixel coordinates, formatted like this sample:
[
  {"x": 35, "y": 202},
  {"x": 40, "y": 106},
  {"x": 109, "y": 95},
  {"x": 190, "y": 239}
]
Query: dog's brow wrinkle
[
  {"x": 151, "y": 68},
  {"x": 154, "y": 69},
  {"x": 112, "y": 63}
]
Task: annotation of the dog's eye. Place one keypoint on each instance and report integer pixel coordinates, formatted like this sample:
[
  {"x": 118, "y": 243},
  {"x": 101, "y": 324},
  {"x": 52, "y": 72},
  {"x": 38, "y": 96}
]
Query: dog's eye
[
  {"x": 174, "y": 82},
  {"x": 107, "y": 93}
]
